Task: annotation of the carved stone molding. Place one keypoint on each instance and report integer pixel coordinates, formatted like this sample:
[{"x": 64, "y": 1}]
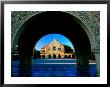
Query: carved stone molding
[{"x": 96, "y": 51}]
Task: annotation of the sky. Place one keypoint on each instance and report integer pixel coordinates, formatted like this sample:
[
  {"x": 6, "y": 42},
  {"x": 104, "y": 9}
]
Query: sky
[{"x": 49, "y": 38}]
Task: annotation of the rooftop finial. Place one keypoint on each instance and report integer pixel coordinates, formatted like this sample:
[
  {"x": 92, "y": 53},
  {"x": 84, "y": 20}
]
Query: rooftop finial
[{"x": 54, "y": 38}]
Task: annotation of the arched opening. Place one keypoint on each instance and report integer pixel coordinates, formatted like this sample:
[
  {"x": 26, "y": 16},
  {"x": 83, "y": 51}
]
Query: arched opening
[
  {"x": 39, "y": 25},
  {"x": 54, "y": 56},
  {"x": 73, "y": 56},
  {"x": 49, "y": 56},
  {"x": 43, "y": 56},
  {"x": 69, "y": 56},
  {"x": 59, "y": 56},
  {"x": 56, "y": 44},
  {"x": 65, "y": 56}
]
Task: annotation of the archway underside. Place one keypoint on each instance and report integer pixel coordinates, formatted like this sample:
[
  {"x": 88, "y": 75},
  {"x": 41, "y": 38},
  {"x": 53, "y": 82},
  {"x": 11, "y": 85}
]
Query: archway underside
[
  {"x": 48, "y": 23},
  {"x": 53, "y": 22},
  {"x": 90, "y": 19}
]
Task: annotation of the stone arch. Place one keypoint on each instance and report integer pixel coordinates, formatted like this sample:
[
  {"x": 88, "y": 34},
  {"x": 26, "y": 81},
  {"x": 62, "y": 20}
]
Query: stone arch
[{"x": 90, "y": 26}]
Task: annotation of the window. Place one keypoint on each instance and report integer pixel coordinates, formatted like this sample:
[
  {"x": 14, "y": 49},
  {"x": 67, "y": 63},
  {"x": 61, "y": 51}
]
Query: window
[
  {"x": 54, "y": 48},
  {"x": 43, "y": 50},
  {"x": 59, "y": 48}
]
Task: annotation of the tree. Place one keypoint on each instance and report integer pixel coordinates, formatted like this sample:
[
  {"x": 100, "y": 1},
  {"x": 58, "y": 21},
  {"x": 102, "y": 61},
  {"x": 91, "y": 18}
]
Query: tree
[
  {"x": 36, "y": 53},
  {"x": 68, "y": 48}
]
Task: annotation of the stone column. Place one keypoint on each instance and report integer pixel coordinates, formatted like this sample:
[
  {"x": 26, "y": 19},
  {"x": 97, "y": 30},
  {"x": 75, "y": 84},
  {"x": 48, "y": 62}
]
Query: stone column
[
  {"x": 41, "y": 56},
  {"x": 82, "y": 59},
  {"x": 62, "y": 57},
  {"x": 82, "y": 63},
  {"x": 97, "y": 59},
  {"x": 56, "y": 56},
  {"x": 52, "y": 56},
  {"x": 25, "y": 62},
  {"x": 46, "y": 56},
  {"x": 71, "y": 55}
]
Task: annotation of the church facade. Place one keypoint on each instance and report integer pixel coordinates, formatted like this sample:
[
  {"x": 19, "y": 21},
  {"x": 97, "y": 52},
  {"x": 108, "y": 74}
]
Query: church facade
[{"x": 55, "y": 50}]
